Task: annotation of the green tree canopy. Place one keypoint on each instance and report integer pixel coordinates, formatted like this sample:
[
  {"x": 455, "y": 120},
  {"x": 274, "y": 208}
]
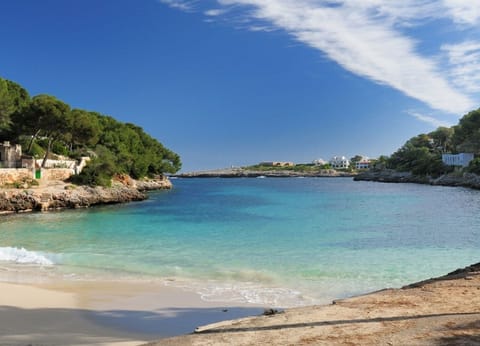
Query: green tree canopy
[
  {"x": 442, "y": 139},
  {"x": 420, "y": 156},
  {"x": 85, "y": 128},
  {"x": 54, "y": 119},
  {"x": 466, "y": 135},
  {"x": 45, "y": 124},
  {"x": 6, "y": 105}
]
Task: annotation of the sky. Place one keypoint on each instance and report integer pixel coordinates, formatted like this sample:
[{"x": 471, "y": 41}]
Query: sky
[{"x": 236, "y": 82}]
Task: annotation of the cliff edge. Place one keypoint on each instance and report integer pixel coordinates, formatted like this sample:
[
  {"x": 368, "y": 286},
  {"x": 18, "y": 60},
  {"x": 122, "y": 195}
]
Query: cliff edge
[
  {"x": 56, "y": 195},
  {"x": 469, "y": 180}
]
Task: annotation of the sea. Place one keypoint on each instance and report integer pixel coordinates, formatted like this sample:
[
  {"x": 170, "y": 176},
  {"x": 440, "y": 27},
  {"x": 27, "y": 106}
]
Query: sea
[{"x": 280, "y": 242}]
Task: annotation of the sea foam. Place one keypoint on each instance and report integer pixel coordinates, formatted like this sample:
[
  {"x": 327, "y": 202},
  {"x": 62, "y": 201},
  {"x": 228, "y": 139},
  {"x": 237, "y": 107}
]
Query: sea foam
[{"x": 23, "y": 256}]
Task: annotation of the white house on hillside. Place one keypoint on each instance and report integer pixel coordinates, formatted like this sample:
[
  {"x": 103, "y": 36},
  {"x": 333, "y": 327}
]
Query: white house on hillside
[
  {"x": 319, "y": 162},
  {"x": 364, "y": 163},
  {"x": 339, "y": 162},
  {"x": 462, "y": 159}
]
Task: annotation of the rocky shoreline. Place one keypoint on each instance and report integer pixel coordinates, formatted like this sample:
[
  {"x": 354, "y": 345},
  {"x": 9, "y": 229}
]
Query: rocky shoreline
[
  {"x": 57, "y": 195},
  {"x": 468, "y": 180},
  {"x": 245, "y": 173}
]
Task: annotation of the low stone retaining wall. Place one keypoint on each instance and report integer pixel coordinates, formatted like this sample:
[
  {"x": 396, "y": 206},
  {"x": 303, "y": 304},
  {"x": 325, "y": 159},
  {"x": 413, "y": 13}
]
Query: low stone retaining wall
[
  {"x": 57, "y": 174},
  {"x": 12, "y": 175}
]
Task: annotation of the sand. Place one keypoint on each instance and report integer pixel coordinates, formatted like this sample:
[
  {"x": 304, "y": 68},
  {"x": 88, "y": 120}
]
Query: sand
[
  {"x": 445, "y": 311},
  {"x": 103, "y": 313},
  {"x": 439, "y": 312}
]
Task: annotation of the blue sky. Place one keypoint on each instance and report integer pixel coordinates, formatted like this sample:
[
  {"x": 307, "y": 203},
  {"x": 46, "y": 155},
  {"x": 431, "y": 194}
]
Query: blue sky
[{"x": 235, "y": 82}]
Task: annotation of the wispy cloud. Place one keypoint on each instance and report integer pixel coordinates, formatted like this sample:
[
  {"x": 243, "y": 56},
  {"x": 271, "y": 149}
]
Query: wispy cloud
[
  {"x": 370, "y": 38},
  {"x": 214, "y": 12},
  {"x": 464, "y": 11},
  {"x": 183, "y": 5},
  {"x": 464, "y": 61},
  {"x": 429, "y": 119}
]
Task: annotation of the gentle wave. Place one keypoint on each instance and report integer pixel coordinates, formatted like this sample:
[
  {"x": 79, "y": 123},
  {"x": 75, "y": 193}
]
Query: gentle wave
[
  {"x": 23, "y": 256},
  {"x": 253, "y": 294},
  {"x": 242, "y": 292}
]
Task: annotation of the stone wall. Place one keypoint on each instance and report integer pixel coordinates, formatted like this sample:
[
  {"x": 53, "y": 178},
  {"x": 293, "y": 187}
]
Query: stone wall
[
  {"x": 57, "y": 173},
  {"x": 57, "y": 163},
  {"x": 11, "y": 175}
]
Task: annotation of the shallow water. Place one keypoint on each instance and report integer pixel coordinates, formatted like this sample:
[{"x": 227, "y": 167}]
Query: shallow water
[{"x": 276, "y": 241}]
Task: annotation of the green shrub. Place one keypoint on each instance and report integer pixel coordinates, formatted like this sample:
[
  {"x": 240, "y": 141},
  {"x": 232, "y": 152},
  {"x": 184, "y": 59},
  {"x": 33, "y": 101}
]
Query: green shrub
[
  {"x": 60, "y": 149},
  {"x": 474, "y": 166}
]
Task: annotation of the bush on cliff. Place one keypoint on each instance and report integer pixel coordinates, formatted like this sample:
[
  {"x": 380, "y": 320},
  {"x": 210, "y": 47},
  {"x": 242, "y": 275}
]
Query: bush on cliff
[
  {"x": 474, "y": 166},
  {"x": 99, "y": 171},
  {"x": 419, "y": 156}
]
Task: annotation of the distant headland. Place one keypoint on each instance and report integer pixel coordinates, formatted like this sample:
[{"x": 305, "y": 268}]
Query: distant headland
[{"x": 277, "y": 169}]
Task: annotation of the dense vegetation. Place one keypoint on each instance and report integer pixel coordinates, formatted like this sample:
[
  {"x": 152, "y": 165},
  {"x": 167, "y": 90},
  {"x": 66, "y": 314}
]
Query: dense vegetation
[
  {"x": 45, "y": 125},
  {"x": 422, "y": 154}
]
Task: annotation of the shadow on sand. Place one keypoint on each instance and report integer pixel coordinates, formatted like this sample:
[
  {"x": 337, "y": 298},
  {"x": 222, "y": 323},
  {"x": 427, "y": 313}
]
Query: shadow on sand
[{"x": 76, "y": 326}]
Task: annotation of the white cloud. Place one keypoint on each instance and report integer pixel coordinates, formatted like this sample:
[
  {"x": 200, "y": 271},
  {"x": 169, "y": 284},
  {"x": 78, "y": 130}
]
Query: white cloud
[
  {"x": 464, "y": 61},
  {"x": 464, "y": 11},
  {"x": 183, "y": 5},
  {"x": 361, "y": 37},
  {"x": 429, "y": 119},
  {"x": 214, "y": 12},
  {"x": 368, "y": 38}
]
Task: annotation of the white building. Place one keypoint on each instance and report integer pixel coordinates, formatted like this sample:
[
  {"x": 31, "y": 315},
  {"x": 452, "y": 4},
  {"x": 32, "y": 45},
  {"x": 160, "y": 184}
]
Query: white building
[
  {"x": 339, "y": 162},
  {"x": 462, "y": 159},
  {"x": 319, "y": 162},
  {"x": 364, "y": 163},
  {"x": 10, "y": 155}
]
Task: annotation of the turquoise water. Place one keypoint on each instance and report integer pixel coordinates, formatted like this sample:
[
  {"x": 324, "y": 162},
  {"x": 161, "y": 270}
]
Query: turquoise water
[{"x": 275, "y": 241}]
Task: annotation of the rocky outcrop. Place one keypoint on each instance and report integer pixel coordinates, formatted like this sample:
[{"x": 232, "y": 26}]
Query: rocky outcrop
[
  {"x": 67, "y": 196},
  {"x": 157, "y": 183},
  {"x": 390, "y": 176},
  {"x": 245, "y": 173}
]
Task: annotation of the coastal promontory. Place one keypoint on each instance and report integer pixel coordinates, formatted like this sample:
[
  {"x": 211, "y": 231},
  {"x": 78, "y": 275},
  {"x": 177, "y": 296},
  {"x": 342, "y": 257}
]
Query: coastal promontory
[
  {"x": 55, "y": 157},
  {"x": 55, "y": 195}
]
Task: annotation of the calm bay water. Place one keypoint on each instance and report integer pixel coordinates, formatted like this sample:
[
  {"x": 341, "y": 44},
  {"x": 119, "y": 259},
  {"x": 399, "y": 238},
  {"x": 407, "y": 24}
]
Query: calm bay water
[{"x": 276, "y": 241}]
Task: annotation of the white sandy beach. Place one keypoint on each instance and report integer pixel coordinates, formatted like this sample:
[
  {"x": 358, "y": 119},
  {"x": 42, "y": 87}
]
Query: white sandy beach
[
  {"x": 443, "y": 311},
  {"x": 96, "y": 313}
]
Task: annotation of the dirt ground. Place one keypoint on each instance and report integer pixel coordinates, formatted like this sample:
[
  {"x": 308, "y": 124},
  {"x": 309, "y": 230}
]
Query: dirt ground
[{"x": 442, "y": 311}]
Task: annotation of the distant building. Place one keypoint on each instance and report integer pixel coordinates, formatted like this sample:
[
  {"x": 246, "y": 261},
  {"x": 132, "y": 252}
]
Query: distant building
[
  {"x": 319, "y": 162},
  {"x": 10, "y": 155},
  {"x": 364, "y": 163},
  {"x": 277, "y": 164},
  {"x": 462, "y": 159},
  {"x": 339, "y": 162}
]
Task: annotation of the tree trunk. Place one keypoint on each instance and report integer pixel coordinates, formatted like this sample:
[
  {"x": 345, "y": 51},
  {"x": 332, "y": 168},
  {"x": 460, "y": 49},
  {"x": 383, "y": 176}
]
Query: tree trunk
[
  {"x": 44, "y": 162},
  {"x": 31, "y": 141}
]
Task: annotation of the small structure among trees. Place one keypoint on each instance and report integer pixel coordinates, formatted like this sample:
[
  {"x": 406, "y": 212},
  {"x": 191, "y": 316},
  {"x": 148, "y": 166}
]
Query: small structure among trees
[
  {"x": 277, "y": 164},
  {"x": 462, "y": 159},
  {"x": 10, "y": 155}
]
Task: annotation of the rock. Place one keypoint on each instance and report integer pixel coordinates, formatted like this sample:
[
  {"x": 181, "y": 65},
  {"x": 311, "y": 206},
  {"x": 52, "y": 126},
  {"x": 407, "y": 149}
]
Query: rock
[
  {"x": 270, "y": 312},
  {"x": 391, "y": 176},
  {"x": 43, "y": 199}
]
